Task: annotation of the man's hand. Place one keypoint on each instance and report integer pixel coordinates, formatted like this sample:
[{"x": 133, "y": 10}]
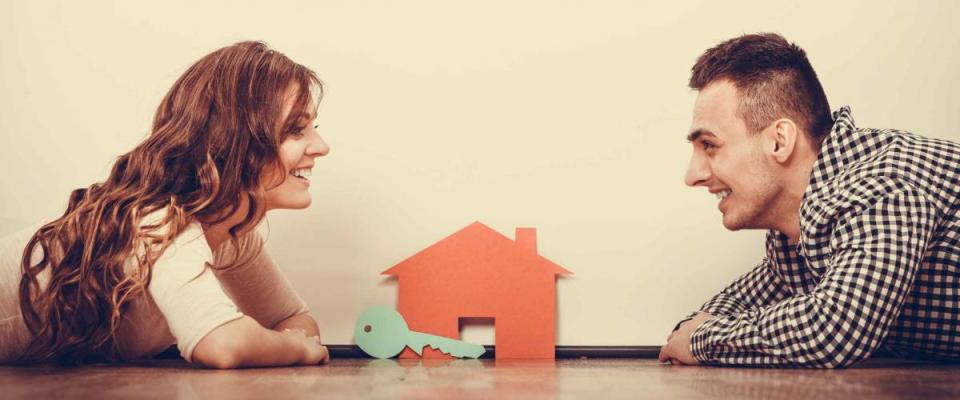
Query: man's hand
[{"x": 677, "y": 349}]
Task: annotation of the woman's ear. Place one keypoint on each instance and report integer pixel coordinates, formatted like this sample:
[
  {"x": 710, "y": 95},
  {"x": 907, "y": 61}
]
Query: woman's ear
[{"x": 783, "y": 137}]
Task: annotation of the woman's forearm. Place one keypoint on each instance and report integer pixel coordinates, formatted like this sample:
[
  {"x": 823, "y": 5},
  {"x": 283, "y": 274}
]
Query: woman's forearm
[
  {"x": 302, "y": 321},
  {"x": 244, "y": 343}
]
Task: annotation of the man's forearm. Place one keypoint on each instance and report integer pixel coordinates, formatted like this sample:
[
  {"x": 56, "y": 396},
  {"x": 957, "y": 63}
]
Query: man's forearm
[
  {"x": 846, "y": 317},
  {"x": 757, "y": 288}
]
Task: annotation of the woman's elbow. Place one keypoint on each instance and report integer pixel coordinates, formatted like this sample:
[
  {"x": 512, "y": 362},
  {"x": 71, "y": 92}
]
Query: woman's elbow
[
  {"x": 218, "y": 362},
  {"x": 217, "y": 350}
]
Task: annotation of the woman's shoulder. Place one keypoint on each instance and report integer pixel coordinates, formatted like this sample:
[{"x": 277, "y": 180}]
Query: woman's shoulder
[
  {"x": 246, "y": 246},
  {"x": 12, "y": 245},
  {"x": 190, "y": 238},
  {"x": 14, "y": 242},
  {"x": 20, "y": 233}
]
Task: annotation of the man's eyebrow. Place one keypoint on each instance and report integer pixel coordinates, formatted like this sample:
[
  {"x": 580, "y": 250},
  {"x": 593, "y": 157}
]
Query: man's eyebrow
[{"x": 699, "y": 132}]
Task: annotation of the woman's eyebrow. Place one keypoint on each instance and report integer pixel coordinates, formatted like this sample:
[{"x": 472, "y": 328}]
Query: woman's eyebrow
[{"x": 304, "y": 115}]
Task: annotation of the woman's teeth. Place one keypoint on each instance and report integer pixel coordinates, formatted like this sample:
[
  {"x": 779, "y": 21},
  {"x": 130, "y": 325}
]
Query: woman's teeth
[
  {"x": 303, "y": 173},
  {"x": 722, "y": 194}
]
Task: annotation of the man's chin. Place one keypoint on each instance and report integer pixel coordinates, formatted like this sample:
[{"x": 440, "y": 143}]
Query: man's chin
[
  {"x": 732, "y": 224},
  {"x": 736, "y": 223}
]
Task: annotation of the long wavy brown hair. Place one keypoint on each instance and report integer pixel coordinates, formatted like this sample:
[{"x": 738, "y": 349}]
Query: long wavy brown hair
[{"x": 216, "y": 132}]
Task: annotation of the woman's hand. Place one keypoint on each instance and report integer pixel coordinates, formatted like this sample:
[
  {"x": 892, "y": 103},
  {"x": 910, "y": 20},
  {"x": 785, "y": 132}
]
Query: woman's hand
[
  {"x": 313, "y": 352},
  {"x": 244, "y": 343}
]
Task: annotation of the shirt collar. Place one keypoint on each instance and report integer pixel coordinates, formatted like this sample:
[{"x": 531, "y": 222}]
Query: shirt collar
[{"x": 832, "y": 158}]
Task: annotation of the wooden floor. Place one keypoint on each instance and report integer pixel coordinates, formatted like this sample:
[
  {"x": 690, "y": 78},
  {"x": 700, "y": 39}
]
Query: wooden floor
[{"x": 593, "y": 379}]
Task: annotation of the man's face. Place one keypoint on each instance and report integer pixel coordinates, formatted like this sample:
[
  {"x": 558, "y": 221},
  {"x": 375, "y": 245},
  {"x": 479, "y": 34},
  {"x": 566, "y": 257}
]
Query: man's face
[{"x": 729, "y": 161}]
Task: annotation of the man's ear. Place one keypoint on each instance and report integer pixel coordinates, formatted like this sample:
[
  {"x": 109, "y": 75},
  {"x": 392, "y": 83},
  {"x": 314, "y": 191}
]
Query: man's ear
[{"x": 782, "y": 139}]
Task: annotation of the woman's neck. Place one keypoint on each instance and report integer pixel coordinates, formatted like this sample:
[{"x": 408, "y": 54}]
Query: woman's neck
[{"x": 219, "y": 232}]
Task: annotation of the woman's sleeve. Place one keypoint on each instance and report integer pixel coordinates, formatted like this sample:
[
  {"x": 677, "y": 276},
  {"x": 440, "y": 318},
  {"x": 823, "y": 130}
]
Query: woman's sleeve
[
  {"x": 256, "y": 285},
  {"x": 187, "y": 292}
]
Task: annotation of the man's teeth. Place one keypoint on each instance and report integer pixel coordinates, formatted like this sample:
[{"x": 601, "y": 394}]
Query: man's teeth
[
  {"x": 722, "y": 194},
  {"x": 304, "y": 173}
]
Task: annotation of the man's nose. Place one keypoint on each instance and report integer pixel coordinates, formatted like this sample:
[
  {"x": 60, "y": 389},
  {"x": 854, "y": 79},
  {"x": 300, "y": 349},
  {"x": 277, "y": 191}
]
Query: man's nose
[{"x": 698, "y": 172}]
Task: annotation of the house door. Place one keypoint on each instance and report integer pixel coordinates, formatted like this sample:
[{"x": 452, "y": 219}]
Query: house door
[{"x": 478, "y": 330}]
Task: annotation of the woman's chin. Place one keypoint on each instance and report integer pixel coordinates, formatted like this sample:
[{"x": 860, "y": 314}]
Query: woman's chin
[{"x": 289, "y": 204}]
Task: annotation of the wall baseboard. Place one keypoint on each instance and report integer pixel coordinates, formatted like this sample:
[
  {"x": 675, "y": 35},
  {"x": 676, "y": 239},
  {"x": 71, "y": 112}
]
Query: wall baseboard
[{"x": 565, "y": 352}]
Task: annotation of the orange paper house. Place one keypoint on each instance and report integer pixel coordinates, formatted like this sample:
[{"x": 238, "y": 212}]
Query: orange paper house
[{"x": 479, "y": 273}]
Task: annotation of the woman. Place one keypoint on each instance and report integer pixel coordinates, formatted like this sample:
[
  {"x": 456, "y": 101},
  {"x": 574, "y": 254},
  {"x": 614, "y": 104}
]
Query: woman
[{"x": 165, "y": 251}]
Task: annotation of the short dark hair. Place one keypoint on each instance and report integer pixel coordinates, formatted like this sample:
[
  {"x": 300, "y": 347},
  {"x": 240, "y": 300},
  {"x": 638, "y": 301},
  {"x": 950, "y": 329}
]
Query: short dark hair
[{"x": 774, "y": 78}]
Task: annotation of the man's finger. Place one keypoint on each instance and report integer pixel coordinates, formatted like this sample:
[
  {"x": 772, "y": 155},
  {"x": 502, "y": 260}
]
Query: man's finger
[{"x": 663, "y": 357}]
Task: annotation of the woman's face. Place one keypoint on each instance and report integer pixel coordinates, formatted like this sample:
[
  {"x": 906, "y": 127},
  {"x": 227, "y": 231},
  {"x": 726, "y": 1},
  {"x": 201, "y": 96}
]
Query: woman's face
[{"x": 297, "y": 152}]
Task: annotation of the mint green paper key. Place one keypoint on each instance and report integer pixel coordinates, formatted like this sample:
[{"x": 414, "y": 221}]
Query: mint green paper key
[{"x": 383, "y": 333}]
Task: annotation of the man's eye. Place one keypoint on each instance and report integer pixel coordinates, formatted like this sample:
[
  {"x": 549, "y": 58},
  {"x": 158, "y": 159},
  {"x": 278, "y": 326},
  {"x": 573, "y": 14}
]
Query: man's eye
[{"x": 707, "y": 145}]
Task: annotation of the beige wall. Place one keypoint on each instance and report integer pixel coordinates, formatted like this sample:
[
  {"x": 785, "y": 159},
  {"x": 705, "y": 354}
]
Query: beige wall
[{"x": 566, "y": 116}]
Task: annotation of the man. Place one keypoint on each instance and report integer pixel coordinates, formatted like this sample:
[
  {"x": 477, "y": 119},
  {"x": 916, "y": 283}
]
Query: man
[{"x": 863, "y": 242}]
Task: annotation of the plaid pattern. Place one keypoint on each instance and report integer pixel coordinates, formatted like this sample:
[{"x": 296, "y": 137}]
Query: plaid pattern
[{"x": 877, "y": 265}]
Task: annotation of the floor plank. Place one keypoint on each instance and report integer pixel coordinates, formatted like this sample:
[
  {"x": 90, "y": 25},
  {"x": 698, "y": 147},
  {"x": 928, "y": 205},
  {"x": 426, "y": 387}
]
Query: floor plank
[{"x": 414, "y": 379}]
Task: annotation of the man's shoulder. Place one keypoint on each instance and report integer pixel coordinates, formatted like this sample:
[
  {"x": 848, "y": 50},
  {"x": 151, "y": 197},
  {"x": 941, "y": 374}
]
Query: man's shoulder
[
  {"x": 884, "y": 162},
  {"x": 866, "y": 166}
]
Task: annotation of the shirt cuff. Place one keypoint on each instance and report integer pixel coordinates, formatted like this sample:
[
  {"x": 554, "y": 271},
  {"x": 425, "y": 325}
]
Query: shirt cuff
[
  {"x": 701, "y": 345},
  {"x": 687, "y": 318}
]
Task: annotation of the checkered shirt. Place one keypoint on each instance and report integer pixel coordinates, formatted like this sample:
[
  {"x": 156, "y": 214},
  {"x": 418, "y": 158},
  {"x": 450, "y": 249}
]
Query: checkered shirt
[{"x": 877, "y": 265}]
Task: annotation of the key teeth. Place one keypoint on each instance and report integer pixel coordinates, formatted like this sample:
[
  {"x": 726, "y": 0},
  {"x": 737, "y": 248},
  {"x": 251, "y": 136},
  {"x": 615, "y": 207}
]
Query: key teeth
[
  {"x": 419, "y": 351},
  {"x": 448, "y": 353}
]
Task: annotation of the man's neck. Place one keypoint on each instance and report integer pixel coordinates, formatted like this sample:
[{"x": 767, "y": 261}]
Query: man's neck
[
  {"x": 797, "y": 178},
  {"x": 792, "y": 229}
]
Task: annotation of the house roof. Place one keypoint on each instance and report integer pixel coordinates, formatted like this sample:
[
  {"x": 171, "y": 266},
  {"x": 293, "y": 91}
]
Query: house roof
[{"x": 473, "y": 235}]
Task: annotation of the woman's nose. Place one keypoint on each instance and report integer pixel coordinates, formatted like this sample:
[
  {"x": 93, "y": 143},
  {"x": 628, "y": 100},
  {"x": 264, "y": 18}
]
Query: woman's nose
[{"x": 318, "y": 147}]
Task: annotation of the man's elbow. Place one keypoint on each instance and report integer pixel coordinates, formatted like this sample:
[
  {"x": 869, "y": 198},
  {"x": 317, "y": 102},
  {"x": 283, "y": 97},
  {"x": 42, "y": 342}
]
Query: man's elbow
[
  {"x": 832, "y": 355},
  {"x": 833, "y": 362}
]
